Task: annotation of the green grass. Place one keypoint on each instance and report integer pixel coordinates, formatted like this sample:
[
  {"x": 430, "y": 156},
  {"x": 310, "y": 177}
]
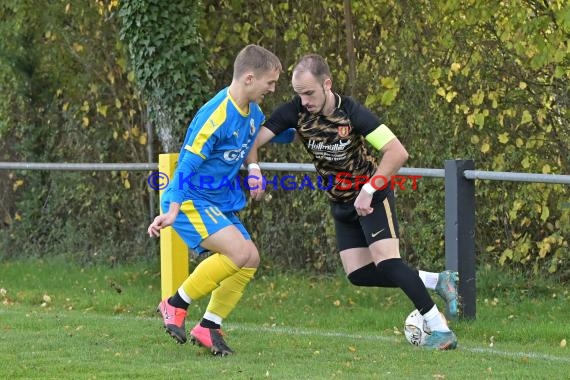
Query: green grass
[{"x": 58, "y": 321}]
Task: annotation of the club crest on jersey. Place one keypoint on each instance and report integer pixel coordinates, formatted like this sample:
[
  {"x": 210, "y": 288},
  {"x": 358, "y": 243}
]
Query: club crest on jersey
[
  {"x": 251, "y": 127},
  {"x": 344, "y": 130}
]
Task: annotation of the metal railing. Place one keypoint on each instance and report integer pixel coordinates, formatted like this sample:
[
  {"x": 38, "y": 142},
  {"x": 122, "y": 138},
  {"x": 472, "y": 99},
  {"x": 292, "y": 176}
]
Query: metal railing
[{"x": 68, "y": 166}]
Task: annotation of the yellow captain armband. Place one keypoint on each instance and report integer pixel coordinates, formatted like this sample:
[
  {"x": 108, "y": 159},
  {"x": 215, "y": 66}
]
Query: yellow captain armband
[{"x": 380, "y": 136}]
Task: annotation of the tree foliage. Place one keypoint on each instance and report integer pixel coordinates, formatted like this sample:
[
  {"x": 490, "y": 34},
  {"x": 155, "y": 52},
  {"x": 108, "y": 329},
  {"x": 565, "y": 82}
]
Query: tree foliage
[
  {"x": 168, "y": 58},
  {"x": 453, "y": 79},
  {"x": 70, "y": 100}
]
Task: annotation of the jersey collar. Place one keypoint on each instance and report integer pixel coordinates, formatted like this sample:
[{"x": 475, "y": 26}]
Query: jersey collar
[{"x": 338, "y": 100}]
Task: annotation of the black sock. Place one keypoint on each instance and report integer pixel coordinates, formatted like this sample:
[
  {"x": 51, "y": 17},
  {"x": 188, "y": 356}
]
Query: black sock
[
  {"x": 409, "y": 281},
  {"x": 369, "y": 276},
  {"x": 209, "y": 324},
  {"x": 178, "y": 302}
]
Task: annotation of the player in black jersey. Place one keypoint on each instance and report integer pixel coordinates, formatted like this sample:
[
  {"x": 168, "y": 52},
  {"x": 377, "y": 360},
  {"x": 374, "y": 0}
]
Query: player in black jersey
[{"x": 339, "y": 133}]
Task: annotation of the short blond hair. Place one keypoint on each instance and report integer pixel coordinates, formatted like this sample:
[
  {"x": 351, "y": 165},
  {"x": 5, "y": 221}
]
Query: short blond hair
[{"x": 255, "y": 58}]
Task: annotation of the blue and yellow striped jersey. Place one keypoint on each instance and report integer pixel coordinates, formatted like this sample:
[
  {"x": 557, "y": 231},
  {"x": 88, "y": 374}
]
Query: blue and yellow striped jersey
[{"x": 217, "y": 141}]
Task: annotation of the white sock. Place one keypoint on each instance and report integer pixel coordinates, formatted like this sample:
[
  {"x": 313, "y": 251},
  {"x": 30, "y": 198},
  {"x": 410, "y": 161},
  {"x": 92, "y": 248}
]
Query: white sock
[
  {"x": 213, "y": 317},
  {"x": 184, "y": 296},
  {"x": 435, "y": 320},
  {"x": 429, "y": 279}
]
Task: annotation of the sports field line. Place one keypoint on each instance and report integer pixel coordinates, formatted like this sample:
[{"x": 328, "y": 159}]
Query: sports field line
[
  {"x": 372, "y": 337},
  {"x": 339, "y": 334}
]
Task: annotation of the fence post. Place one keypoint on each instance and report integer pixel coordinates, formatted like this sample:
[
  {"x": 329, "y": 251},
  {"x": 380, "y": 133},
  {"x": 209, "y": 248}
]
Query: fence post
[
  {"x": 460, "y": 231},
  {"x": 173, "y": 250}
]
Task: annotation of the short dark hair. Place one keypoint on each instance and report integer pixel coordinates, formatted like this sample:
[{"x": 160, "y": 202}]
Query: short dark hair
[
  {"x": 256, "y": 58},
  {"x": 314, "y": 64}
]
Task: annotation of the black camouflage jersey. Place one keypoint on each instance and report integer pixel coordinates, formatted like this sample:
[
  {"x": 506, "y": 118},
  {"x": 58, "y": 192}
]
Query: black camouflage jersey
[{"x": 336, "y": 142}]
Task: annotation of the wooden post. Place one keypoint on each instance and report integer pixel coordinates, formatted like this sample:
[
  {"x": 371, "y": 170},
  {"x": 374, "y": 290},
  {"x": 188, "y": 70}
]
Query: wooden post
[{"x": 173, "y": 251}]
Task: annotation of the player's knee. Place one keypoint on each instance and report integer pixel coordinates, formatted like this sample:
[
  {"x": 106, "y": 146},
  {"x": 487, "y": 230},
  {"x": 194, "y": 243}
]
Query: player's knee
[
  {"x": 254, "y": 259},
  {"x": 244, "y": 254},
  {"x": 364, "y": 276},
  {"x": 356, "y": 278},
  {"x": 351, "y": 279}
]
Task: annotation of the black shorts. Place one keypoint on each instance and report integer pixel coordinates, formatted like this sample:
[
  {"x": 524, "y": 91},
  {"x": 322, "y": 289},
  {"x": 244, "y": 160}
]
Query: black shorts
[{"x": 353, "y": 231}]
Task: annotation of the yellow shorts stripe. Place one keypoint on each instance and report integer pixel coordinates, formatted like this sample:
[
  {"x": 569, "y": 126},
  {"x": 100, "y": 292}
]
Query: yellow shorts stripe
[
  {"x": 195, "y": 218},
  {"x": 389, "y": 217}
]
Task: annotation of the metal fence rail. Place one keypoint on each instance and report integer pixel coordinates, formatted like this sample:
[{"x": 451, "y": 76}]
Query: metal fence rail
[
  {"x": 76, "y": 166},
  {"x": 275, "y": 166},
  {"x": 298, "y": 167},
  {"x": 459, "y": 177},
  {"x": 291, "y": 167},
  {"x": 517, "y": 177}
]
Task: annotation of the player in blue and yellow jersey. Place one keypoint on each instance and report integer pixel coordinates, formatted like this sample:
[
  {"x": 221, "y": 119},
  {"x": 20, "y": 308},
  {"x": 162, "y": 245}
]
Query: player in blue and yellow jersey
[
  {"x": 204, "y": 194},
  {"x": 217, "y": 141},
  {"x": 339, "y": 133}
]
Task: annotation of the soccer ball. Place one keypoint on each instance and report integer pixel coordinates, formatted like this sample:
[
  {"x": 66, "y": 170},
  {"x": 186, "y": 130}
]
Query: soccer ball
[{"x": 415, "y": 328}]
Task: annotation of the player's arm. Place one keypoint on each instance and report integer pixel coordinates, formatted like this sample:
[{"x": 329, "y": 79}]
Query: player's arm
[
  {"x": 279, "y": 128},
  {"x": 254, "y": 177},
  {"x": 164, "y": 220},
  {"x": 195, "y": 153},
  {"x": 197, "y": 148},
  {"x": 285, "y": 137},
  {"x": 394, "y": 156},
  {"x": 263, "y": 137},
  {"x": 189, "y": 164}
]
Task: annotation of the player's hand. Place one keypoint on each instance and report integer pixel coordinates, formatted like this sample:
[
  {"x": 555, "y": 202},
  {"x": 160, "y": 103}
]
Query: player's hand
[
  {"x": 255, "y": 184},
  {"x": 362, "y": 203},
  {"x": 160, "y": 222}
]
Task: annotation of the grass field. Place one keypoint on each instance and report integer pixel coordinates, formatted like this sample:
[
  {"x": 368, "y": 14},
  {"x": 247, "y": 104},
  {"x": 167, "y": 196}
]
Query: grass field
[{"x": 59, "y": 321}]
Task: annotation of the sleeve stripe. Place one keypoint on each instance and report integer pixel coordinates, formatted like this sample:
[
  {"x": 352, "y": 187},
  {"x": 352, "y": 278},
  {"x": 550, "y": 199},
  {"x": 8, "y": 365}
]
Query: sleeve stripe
[
  {"x": 189, "y": 149},
  {"x": 208, "y": 128}
]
